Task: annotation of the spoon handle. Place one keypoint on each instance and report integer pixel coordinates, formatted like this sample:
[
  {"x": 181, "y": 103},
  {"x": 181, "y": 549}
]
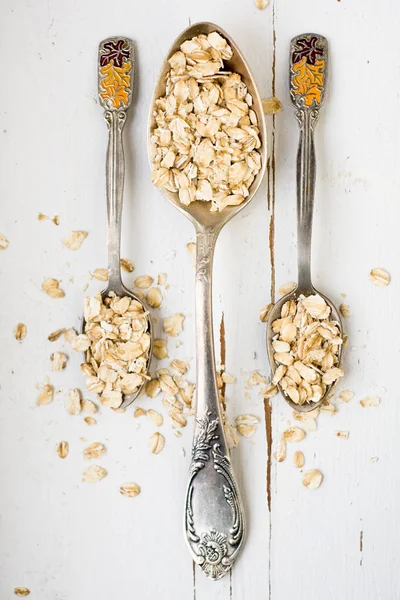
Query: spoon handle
[
  {"x": 115, "y": 93},
  {"x": 308, "y": 70},
  {"x": 214, "y": 514}
]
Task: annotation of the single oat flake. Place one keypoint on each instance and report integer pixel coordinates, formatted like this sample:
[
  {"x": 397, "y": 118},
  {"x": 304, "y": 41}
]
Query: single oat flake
[
  {"x": 127, "y": 265},
  {"x": 247, "y": 425},
  {"x": 271, "y": 106},
  {"x": 191, "y": 246},
  {"x": 160, "y": 349},
  {"x": 94, "y": 450},
  {"x": 143, "y": 282},
  {"x": 22, "y": 592},
  {"x": 265, "y": 312},
  {"x": 379, "y": 277},
  {"x": 73, "y": 403},
  {"x": 74, "y": 240},
  {"x": 371, "y": 401},
  {"x": 58, "y": 361},
  {"x": 156, "y": 443},
  {"x": 294, "y": 434},
  {"x": 286, "y": 288},
  {"x": 155, "y": 417},
  {"x": 90, "y": 421},
  {"x": 346, "y": 395},
  {"x": 130, "y": 490},
  {"x": 101, "y": 274},
  {"x": 343, "y": 435},
  {"x": 174, "y": 325},
  {"x": 312, "y": 479},
  {"x": 93, "y": 474},
  {"x": 20, "y": 332},
  {"x": 154, "y": 297},
  {"x": 52, "y": 288},
  {"x": 55, "y": 335},
  {"x": 3, "y": 242},
  {"x": 46, "y": 394},
  {"x": 139, "y": 412},
  {"x": 262, "y": 4},
  {"x": 298, "y": 459},
  {"x": 63, "y": 449}
]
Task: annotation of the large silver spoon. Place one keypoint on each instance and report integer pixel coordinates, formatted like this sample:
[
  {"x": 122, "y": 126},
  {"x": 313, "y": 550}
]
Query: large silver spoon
[
  {"x": 115, "y": 82},
  {"x": 307, "y": 97},
  {"x": 214, "y": 519}
]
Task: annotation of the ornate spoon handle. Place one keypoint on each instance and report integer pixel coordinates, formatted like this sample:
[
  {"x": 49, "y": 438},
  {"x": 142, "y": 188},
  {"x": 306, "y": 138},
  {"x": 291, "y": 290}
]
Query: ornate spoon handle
[
  {"x": 308, "y": 70},
  {"x": 214, "y": 514},
  {"x": 115, "y": 94}
]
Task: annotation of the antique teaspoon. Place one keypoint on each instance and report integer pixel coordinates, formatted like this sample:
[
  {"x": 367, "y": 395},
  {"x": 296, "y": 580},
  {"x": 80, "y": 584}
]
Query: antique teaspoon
[
  {"x": 116, "y": 73},
  {"x": 308, "y": 71},
  {"x": 214, "y": 519}
]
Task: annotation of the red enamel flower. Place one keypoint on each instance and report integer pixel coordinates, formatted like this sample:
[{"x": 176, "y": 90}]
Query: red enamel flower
[
  {"x": 114, "y": 51},
  {"x": 309, "y": 49}
]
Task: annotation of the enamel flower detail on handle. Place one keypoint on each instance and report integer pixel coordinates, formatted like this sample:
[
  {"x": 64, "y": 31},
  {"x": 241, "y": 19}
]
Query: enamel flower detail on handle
[
  {"x": 213, "y": 550},
  {"x": 309, "y": 53},
  {"x": 115, "y": 73}
]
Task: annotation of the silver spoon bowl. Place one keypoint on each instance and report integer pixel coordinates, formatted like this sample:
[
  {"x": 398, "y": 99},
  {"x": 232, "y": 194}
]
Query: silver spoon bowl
[{"x": 214, "y": 519}]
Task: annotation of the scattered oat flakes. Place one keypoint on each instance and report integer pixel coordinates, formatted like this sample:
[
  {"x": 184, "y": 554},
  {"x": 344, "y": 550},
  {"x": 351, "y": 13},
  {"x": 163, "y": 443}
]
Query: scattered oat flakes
[
  {"x": 156, "y": 443},
  {"x": 126, "y": 265},
  {"x": 247, "y": 425},
  {"x": 328, "y": 407},
  {"x": 56, "y": 220},
  {"x": 3, "y": 242},
  {"x": 74, "y": 240},
  {"x": 22, "y": 592},
  {"x": 271, "y": 106},
  {"x": 155, "y": 417},
  {"x": 154, "y": 297},
  {"x": 286, "y": 288},
  {"x": 308, "y": 422},
  {"x": 90, "y": 420},
  {"x": 73, "y": 403},
  {"x": 379, "y": 277},
  {"x": 42, "y": 217},
  {"x": 69, "y": 335},
  {"x": 55, "y": 335},
  {"x": 312, "y": 479},
  {"x": 139, "y": 412},
  {"x": 191, "y": 246},
  {"x": 162, "y": 279},
  {"x": 206, "y": 139},
  {"x": 80, "y": 343},
  {"x": 130, "y": 490},
  {"x": 46, "y": 394},
  {"x": 93, "y": 474},
  {"x": 20, "y": 332},
  {"x": 294, "y": 434},
  {"x": 63, "y": 449},
  {"x": 101, "y": 274},
  {"x": 343, "y": 435},
  {"x": 143, "y": 282},
  {"x": 51, "y": 287},
  {"x": 58, "y": 361},
  {"x": 265, "y": 312},
  {"x": 174, "y": 325},
  {"x": 344, "y": 310},
  {"x": 261, "y": 4},
  {"x": 346, "y": 395},
  {"x": 298, "y": 459},
  {"x": 95, "y": 450},
  {"x": 160, "y": 349},
  {"x": 371, "y": 401}
]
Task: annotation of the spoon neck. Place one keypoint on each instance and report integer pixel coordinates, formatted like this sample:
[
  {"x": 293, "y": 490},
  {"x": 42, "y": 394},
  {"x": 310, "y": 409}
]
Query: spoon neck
[{"x": 115, "y": 174}]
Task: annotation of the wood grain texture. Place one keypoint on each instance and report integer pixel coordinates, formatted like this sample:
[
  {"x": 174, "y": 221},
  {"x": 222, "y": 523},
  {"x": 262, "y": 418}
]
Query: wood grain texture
[{"x": 71, "y": 541}]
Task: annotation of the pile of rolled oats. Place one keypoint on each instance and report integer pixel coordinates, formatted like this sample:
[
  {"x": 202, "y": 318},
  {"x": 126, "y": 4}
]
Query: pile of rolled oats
[
  {"x": 117, "y": 346},
  {"x": 206, "y": 140},
  {"x": 306, "y": 345}
]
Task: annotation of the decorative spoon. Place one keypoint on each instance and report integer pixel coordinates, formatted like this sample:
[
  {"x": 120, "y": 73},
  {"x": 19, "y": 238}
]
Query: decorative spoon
[
  {"x": 308, "y": 71},
  {"x": 214, "y": 519},
  {"x": 115, "y": 73}
]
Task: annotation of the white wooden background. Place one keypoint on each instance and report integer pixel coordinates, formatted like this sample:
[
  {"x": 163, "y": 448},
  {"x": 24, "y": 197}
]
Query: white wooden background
[{"x": 67, "y": 540}]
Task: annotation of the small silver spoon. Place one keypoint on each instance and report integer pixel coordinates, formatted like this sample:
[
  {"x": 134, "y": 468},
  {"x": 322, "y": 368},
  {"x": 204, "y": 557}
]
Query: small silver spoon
[
  {"x": 307, "y": 49},
  {"x": 214, "y": 519},
  {"x": 115, "y": 95}
]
